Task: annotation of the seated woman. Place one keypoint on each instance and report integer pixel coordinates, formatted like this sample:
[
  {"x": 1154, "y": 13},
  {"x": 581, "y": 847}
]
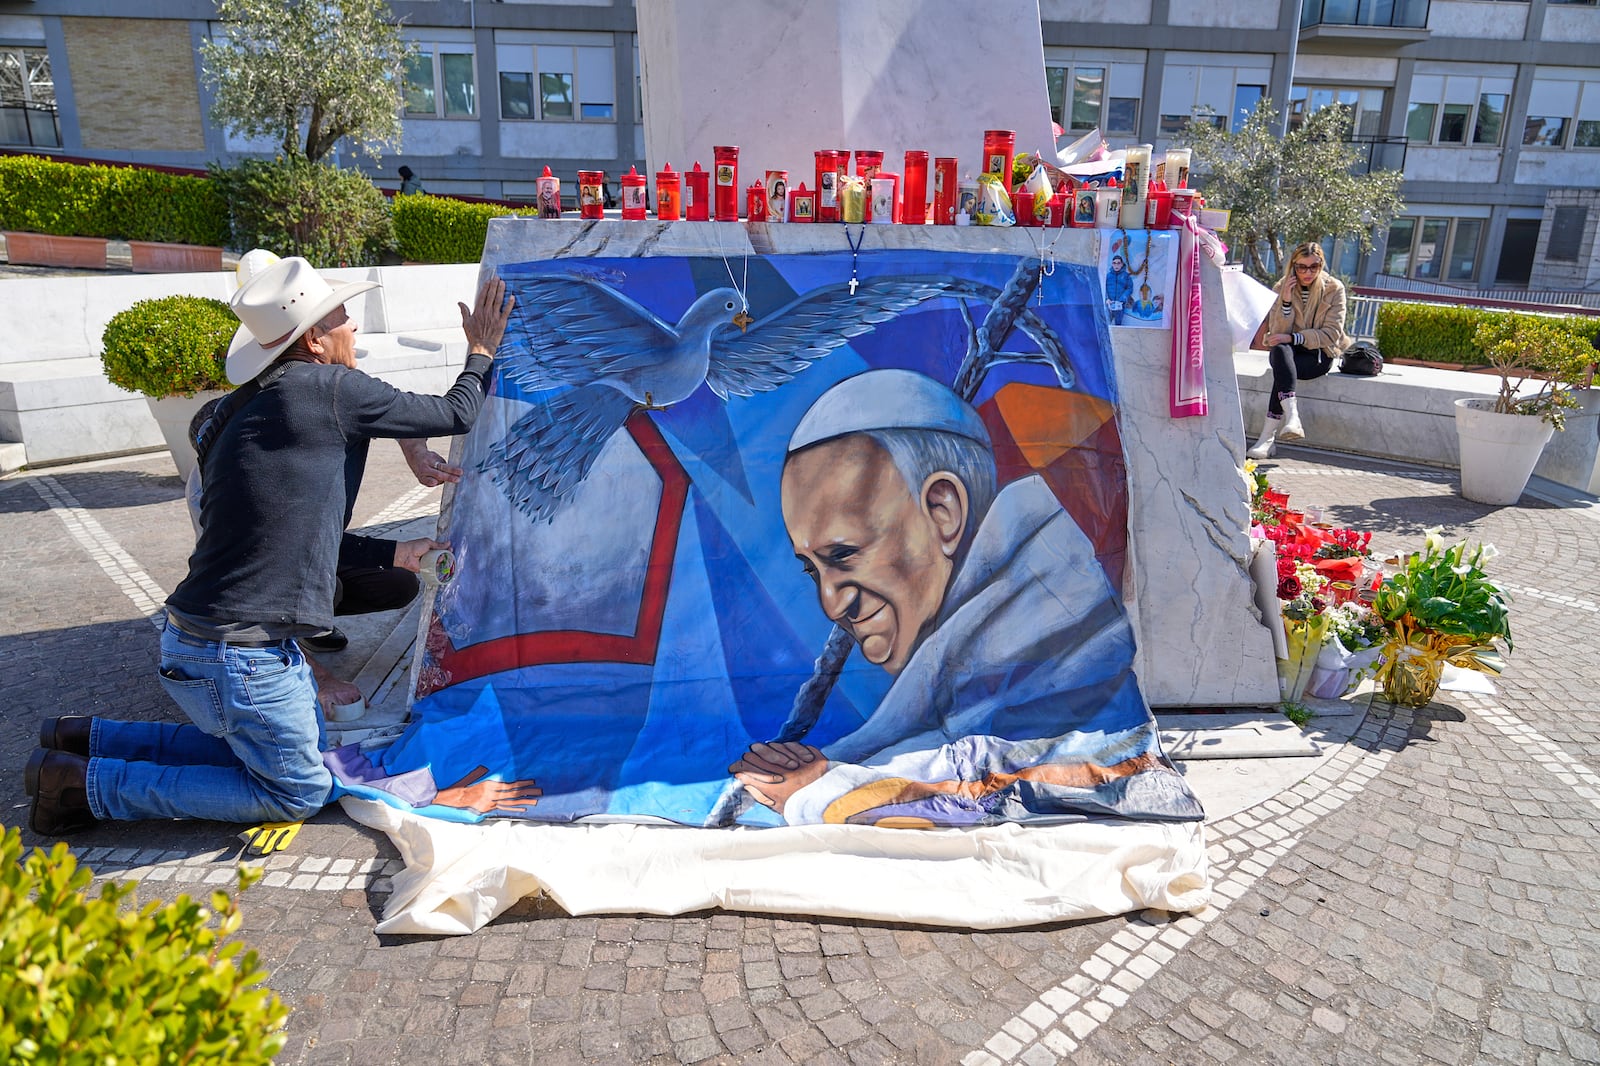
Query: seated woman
[{"x": 1305, "y": 333}]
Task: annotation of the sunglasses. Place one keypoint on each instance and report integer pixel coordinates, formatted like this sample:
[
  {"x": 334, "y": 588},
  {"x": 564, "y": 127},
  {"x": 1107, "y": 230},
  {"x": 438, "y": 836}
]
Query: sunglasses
[{"x": 1312, "y": 267}]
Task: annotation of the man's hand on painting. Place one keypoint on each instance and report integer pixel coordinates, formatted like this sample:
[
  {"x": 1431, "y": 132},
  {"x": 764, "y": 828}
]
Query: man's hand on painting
[
  {"x": 491, "y": 796},
  {"x": 773, "y": 772}
]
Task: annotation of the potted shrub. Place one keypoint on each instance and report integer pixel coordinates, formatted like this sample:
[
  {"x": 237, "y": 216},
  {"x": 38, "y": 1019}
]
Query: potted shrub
[
  {"x": 1502, "y": 438},
  {"x": 1439, "y": 607},
  {"x": 99, "y": 978},
  {"x": 172, "y": 350},
  {"x": 55, "y": 214}
]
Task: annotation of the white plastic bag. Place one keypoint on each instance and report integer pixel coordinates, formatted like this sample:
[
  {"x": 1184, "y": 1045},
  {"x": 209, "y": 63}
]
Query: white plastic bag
[{"x": 1247, "y": 302}]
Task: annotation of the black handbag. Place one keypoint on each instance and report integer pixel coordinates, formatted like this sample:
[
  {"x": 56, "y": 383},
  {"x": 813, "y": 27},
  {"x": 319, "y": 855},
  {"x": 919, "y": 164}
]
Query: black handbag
[{"x": 1362, "y": 360}]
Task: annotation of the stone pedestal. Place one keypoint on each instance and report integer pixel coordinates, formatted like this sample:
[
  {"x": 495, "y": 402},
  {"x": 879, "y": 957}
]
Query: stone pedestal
[{"x": 783, "y": 78}]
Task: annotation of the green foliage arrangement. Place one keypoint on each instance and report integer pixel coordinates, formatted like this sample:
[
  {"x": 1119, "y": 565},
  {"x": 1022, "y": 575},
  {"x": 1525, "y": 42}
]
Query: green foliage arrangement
[
  {"x": 89, "y": 982},
  {"x": 1445, "y": 593},
  {"x": 430, "y": 229},
  {"x": 1303, "y": 186},
  {"x": 1521, "y": 347},
  {"x": 152, "y": 205},
  {"x": 62, "y": 199},
  {"x": 68, "y": 200},
  {"x": 171, "y": 346},
  {"x": 332, "y": 217},
  {"x": 330, "y": 70},
  {"x": 1446, "y": 333}
]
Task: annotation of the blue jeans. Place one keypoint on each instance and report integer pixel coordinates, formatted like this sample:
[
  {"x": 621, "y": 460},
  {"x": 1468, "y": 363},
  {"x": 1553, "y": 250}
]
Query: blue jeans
[{"x": 253, "y": 754}]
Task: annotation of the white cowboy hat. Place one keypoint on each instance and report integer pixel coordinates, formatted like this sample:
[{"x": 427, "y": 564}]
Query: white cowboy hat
[{"x": 279, "y": 301}]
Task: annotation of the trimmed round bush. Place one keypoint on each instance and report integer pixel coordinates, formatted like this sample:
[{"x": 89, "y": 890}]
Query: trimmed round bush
[
  {"x": 331, "y": 216},
  {"x": 171, "y": 346}
]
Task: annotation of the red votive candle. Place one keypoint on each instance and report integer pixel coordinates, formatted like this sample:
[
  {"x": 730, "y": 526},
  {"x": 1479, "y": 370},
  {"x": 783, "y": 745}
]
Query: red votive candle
[
  {"x": 591, "y": 194},
  {"x": 633, "y": 195},
  {"x": 727, "y": 170},
  {"x": 946, "y": 183},
  {"x": 802, "y": 204},
  {"x": 827, "y": 185},
  {"x": 914, "y": 201},
  {"x": 999, "y": 149},
  {"x": 868, "y": 163},
  {"x": 669, "y": 194},
  {"x": 698, "y": 207}
]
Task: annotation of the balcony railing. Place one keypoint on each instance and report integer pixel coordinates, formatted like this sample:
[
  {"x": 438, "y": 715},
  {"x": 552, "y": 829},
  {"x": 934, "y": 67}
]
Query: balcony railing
[
  {"x": 1379, "y": 153},
  {"x": 34, "y": 127},
  {"x": 1398, "y": 14}
]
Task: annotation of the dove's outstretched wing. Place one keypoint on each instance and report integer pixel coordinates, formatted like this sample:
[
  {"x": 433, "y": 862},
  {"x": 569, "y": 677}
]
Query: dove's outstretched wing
[
  {"x": 549, "y": 450},
  {"x": 783, "y": 343},
  {"x": 574, "y": 330}
]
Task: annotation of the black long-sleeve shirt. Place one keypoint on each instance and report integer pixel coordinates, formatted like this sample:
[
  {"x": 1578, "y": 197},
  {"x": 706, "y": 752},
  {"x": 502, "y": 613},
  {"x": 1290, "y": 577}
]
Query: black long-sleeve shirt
[{"x": 280, "y": 487}]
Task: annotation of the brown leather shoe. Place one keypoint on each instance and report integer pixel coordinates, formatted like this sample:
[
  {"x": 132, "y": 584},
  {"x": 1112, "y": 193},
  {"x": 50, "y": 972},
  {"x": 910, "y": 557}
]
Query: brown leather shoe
[
  {"x": 58, "y": 783},
  {"x": 67, "y": 733}
]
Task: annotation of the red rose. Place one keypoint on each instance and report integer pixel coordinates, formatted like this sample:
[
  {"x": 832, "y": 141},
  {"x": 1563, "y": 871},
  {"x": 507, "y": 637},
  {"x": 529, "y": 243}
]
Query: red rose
[
  {"x": 1289, "y": 588},
  {"x": 1285, "y": 567}
]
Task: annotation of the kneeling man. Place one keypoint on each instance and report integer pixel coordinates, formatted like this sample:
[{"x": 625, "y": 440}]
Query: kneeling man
[{"x": 281, "y": 480}]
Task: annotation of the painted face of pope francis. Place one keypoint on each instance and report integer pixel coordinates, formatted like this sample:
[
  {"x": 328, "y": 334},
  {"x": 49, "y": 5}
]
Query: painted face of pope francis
[{"x": 881, "y": 553}]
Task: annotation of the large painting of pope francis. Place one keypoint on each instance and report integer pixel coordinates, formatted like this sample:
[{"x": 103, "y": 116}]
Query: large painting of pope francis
[{"x": 797, "y": 540}]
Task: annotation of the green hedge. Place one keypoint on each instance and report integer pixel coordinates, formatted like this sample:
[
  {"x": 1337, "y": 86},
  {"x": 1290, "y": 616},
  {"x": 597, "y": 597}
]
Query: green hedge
[
  {"x": 169, "y": 346},
  {"x": 68, "y": 200},
  {"x": 63, "y": 200},
  {"x": 1443, "y": 333},
  {"x": 429, "y": 229}
]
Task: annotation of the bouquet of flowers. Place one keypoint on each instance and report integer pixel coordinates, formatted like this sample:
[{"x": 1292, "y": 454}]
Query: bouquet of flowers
[
  {"x": 1345, "y": 544},
  {"x": 1440, "y": 606},
  {"x": 1354, "y": 642},
  {"x": 1305, "y": 622}
]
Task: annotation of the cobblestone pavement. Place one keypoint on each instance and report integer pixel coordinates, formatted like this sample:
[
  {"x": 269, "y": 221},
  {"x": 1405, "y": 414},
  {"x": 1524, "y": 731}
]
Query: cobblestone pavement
[{"x": 1422, "y": 897}]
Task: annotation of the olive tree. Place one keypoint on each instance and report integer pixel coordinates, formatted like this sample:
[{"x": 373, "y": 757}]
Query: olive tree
[
  {"x": 319, "y": 70},
  {"x": 1306, "y": 185}
]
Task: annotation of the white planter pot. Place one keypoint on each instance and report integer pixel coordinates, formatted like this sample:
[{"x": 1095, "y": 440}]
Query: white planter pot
[
  {"x": 1498, "y": 452},
  {"x": 173, "y": 414}
]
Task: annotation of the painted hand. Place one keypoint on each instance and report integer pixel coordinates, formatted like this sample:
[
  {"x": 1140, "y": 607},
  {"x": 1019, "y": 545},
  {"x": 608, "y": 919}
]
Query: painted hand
[
  {"x": 773, "y": 772},
  {"x": 488, "y": 796}
]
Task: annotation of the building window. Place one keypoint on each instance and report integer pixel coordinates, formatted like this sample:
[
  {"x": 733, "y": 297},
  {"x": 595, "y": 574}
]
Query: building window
[
  {"x": 1086, "y": 96},
  {"x": 1516, "y": 251},
  {"x": 557, "y": 82},
  {"x": 27, "y": 98},
  {"x": 1366, "y": 106},
  {"x": 1224, "y": 96},
  {"x": 1433, "y": 249},
  {"x": 1544, "y": 131},
  {"x": 1563, "y": 111},
  {"x": 440, "y": 82},
  {"x": 1491, "y": 117},
  {"x": 1457, "y": 109}
]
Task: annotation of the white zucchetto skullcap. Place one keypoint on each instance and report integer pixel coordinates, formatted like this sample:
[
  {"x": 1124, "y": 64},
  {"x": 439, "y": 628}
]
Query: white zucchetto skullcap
[{"x": 887, "y": 399}]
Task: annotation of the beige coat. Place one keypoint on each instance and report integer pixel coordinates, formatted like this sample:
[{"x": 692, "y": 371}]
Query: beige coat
[{"x": 1319, "y": 320}]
